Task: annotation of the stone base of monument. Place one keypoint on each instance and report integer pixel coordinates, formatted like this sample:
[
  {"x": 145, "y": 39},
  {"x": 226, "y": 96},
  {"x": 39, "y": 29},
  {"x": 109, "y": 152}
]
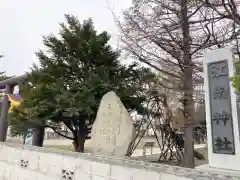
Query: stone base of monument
[{"x": 206, "y": 168}]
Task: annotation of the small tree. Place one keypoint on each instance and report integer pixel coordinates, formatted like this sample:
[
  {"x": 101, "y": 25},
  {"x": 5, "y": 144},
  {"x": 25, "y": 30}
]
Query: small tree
[
  {"x": 75, "y": 71},
  {"x": 18, "y": 127}
]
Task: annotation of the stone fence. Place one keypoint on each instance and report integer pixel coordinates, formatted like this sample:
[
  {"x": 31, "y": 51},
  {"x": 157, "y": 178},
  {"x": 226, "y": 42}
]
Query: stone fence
[{"x": 32, "y": 163}]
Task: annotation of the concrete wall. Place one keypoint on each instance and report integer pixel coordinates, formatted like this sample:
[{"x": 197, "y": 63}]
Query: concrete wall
[{"x": 32, "y": 163}]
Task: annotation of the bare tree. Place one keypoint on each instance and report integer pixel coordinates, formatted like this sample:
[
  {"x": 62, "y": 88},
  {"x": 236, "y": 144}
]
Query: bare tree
[
  {"x": 229, "y": 9},
  {"x": 170, "y": 36}
]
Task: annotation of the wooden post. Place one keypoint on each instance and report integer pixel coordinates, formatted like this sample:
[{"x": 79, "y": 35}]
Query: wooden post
[{"x": 144, "y": 152}]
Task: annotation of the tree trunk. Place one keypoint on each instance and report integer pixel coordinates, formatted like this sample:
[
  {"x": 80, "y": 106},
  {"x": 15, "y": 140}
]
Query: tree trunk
[
  {"x": 24, "y": 138},
  {"x": 188, "y": 104},
  {"x": 188, "y": 160},
  {"x": 79, "y": 142},
  {"x": 38, "y": 136}
]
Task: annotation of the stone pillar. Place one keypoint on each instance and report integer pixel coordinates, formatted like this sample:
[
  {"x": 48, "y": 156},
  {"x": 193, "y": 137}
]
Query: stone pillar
[
  {"x": 221, "y": 110},
  {"x": 38, "y": 136},
  {"x": 4, "y": 114}
]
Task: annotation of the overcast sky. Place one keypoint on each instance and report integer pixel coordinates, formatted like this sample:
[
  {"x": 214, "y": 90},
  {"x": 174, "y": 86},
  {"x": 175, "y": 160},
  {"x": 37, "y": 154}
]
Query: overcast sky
[{"x": 24, "y": 22}]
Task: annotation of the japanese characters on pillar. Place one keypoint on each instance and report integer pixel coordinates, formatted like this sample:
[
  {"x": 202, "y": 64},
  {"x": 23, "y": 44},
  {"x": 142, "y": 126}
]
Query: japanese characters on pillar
[{"x": 220, "y": 108}]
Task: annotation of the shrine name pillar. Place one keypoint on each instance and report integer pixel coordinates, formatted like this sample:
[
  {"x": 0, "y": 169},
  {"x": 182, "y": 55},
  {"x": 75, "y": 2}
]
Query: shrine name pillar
[
  {"x": 221, "y": 110},
  {"x": 4, "y": 114}
]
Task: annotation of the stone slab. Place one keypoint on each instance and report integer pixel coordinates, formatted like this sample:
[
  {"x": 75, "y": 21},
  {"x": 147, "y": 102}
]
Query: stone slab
[
  {"x": 113, "y": 129},
  {"x": 221, "y": 109}
]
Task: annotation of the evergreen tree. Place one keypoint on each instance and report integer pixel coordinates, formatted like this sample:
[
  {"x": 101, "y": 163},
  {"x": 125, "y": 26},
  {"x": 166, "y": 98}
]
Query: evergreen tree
[{"x": 75, "y": 71}]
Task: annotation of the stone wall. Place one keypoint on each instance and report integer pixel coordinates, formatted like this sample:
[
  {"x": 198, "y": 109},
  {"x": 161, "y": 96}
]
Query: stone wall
[{"x": 32, "y": 163}]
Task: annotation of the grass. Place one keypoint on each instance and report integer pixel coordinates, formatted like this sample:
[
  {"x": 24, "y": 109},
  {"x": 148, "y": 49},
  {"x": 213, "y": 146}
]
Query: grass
[
  {"x": 65, "y": 148},
  {"x": 149, "y": 158},
  {"x": 87, "y": 150},
  {"x": 154, "y": 157},
  {"x": 61, "y": 147}
]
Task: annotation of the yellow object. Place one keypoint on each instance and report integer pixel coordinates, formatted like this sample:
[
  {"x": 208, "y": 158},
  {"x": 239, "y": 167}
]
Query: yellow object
[{"x": 13, "y": 103}]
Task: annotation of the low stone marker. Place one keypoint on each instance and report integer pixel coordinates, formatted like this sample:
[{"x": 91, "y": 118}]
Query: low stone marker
[{"x": 113, "y": 129}]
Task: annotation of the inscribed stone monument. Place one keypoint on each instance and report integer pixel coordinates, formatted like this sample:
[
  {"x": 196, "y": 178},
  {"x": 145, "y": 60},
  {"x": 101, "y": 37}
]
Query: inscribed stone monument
[
  {"x": 113, "y": 129},
  {"x": 221, "y": 110}
]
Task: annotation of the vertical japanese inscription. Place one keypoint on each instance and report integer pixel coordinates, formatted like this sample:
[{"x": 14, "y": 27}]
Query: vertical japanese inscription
[
  {"x": 111, "y": 127},
  {"x": 220, "y": 108}
]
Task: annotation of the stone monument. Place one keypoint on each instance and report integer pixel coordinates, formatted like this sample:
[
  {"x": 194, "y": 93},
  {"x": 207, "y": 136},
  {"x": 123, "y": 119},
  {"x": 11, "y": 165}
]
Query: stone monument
[
  {"x": 221, "y": 110},
  {"x": 113, "y": 129}
]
